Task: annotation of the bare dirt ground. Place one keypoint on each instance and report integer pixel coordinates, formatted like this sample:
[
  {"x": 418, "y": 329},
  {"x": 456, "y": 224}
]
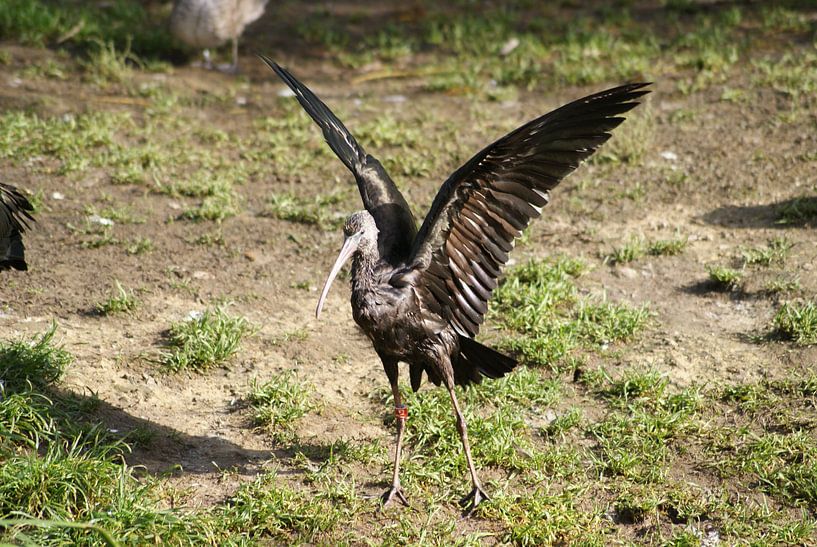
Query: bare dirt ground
[{"x": 740, "y": 160}]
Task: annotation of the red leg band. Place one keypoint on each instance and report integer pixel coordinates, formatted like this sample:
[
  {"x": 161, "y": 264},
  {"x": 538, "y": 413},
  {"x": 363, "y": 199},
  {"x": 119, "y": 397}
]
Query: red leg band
[{"x": 401, "y": 412}]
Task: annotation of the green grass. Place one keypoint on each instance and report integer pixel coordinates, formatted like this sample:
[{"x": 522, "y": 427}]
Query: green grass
[
  {"x": 634, "y": 249},
  {"x": 205, "y": 341},
  {"x": 317, "y": 211},
  {"x": 799, "y": 210},
  {"x": 775, "y": 252},
  {"x": 278, "y": 403},
  {"x": 589, "y": 478},
  {"x": 724, "y": 278},
  {"x": 544, "y": 318},
  {"x": 797, "y": 322},
  {"x": 637, "y": 247},
  {"x": 219, "y": 199},
  {"x": 783, "y": 285},
  {"x": 667, "y": 247},
  {"x": 123, "y": 301},
  {"x": 37, "y": 361},
  {"x": 630, "y": 142},
  {"x": 39, "y": 22}
]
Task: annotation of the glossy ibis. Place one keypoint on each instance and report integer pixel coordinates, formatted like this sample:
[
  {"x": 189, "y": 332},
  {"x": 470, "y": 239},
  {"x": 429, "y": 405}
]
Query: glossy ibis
[
  {"x": 209, "y": 23},
  {"x": 15, "y": 212},
  {"x": 420, "y": 296}
]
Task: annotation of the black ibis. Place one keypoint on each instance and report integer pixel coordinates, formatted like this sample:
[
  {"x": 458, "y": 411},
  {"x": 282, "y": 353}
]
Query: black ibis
[
  {"x": 209, "y": 23},
  {"x": 15, "y": 212},
  {"x": 421, "y": 295}
]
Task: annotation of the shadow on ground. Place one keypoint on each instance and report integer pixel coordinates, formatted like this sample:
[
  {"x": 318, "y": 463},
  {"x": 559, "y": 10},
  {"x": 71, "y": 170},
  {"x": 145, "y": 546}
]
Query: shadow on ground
[{"x": 795, "y": 212}]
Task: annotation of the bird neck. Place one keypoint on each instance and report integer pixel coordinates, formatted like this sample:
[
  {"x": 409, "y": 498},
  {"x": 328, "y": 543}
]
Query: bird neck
[{"x": 363, "y": 266}]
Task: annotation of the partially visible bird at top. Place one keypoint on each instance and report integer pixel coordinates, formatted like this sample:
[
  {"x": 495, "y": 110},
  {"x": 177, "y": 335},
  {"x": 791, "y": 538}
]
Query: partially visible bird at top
[
  {"x": 421, "y": 295},
  {"x": 208, "y": 24},
  {"x": 15, "y": 212}
]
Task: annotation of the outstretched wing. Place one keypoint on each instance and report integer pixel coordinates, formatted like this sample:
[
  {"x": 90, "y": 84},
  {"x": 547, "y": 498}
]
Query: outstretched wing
[
  {"x": 14, "y": 216},
  {"x": 484, "y": 205},
  {"x": 380, "y": 195}
]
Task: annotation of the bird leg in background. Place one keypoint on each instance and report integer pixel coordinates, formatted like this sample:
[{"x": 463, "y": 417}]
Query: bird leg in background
[
  {"x": 401, "y": 413},
  {"x": 477, "y": 495},
  {"x": 230, "y": 68},
  {"x": 208, "y": 64}
]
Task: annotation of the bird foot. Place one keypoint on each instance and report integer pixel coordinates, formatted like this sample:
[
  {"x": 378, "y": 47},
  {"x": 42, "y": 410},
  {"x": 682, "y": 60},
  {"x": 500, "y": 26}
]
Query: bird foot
[
  {"x": 395, "y": 492},
  {"x": 474, "y": 498}
]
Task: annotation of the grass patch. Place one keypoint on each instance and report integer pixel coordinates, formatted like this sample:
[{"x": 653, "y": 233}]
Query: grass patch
[
  {"x": 667, "y": 247},
  {"x": 776, "y": 251},
  {"x": 267, "y": 509},
  {"x": 38, "y": 361},
  {"x": 316, "y": 211},
  {"x": 205, "y": 341},
  {"x": 797, "y": 211},
  {"x": 637, "y": 247},
  {"x": 123, "y": 301},
  {"x": 538, "y": 304},
  {"x": 723, "y": 278},
  {"x": 631, "y": 141},
  {"x": 797, "y": 322},
  {"x": 40, "y": 23},
  {"x": 278, "y": 403},
  {"x": 630, "y": 251},
  {"x": 782, "y": 285}
]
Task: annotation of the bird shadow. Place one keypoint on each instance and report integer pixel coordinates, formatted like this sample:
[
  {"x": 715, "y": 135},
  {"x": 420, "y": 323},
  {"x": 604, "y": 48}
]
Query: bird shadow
[
  {"x": 154, "y": 448},
  {"x": 795, "y": 212}
]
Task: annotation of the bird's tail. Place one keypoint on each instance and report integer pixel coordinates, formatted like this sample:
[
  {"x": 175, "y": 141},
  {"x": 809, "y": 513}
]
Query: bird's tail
[
  {"x": 12, "y": 253},
  {"x": 476, "y": 361}
]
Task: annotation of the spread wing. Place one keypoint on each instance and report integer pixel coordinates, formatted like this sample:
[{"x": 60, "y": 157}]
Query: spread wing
[
  {"x": 14, "y": 216},
  {"x": 484, "y": 205},
  {"x": 380, "y": 195}
]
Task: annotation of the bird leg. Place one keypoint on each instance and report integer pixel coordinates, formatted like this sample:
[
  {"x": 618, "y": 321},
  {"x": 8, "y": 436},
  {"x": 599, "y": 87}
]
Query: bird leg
[
  {"x": 477, "y": 494},
  {"x": 208, "y": 63},
  {"x": 231, "y": 68},
  {"x": 401, "y": 413}
]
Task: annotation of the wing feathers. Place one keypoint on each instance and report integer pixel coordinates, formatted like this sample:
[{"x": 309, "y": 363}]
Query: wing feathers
[
  {"x": 15, "y": 214},
  {"x": 484, "y": 205},
  {"x": 379, "y": 193}
]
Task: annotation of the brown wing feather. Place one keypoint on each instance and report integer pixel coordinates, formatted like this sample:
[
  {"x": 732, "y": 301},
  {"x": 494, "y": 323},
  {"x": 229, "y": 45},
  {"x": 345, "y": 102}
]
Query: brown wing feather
[
  {"x": 15, "y": 213},
  {"x": 484, "y": 205}
]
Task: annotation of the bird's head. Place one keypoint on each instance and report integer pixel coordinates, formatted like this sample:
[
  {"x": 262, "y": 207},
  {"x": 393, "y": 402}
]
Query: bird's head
[{"x": 360, "y": 235}]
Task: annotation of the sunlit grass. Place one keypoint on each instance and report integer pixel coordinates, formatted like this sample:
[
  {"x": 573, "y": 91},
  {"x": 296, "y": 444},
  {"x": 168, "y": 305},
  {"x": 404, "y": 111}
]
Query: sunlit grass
[
  {"x": 278, "y": 403},
  {"x": 538, "y": 304},
  {"x": 204, "y": 341},
  {"x": 797, "y": 322}
]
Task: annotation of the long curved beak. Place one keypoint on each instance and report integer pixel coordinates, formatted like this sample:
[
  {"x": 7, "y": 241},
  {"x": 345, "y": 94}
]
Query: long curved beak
[{"x": 348, "y": 249}]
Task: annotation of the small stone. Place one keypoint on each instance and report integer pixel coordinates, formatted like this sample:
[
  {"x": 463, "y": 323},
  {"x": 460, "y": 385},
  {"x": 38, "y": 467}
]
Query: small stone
[
  {"x": 96, "y": 219},
  {"x": 199, "y": 274},
  {"x": 509, "y": 46},
  {"x": 669, "y": 155}
]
